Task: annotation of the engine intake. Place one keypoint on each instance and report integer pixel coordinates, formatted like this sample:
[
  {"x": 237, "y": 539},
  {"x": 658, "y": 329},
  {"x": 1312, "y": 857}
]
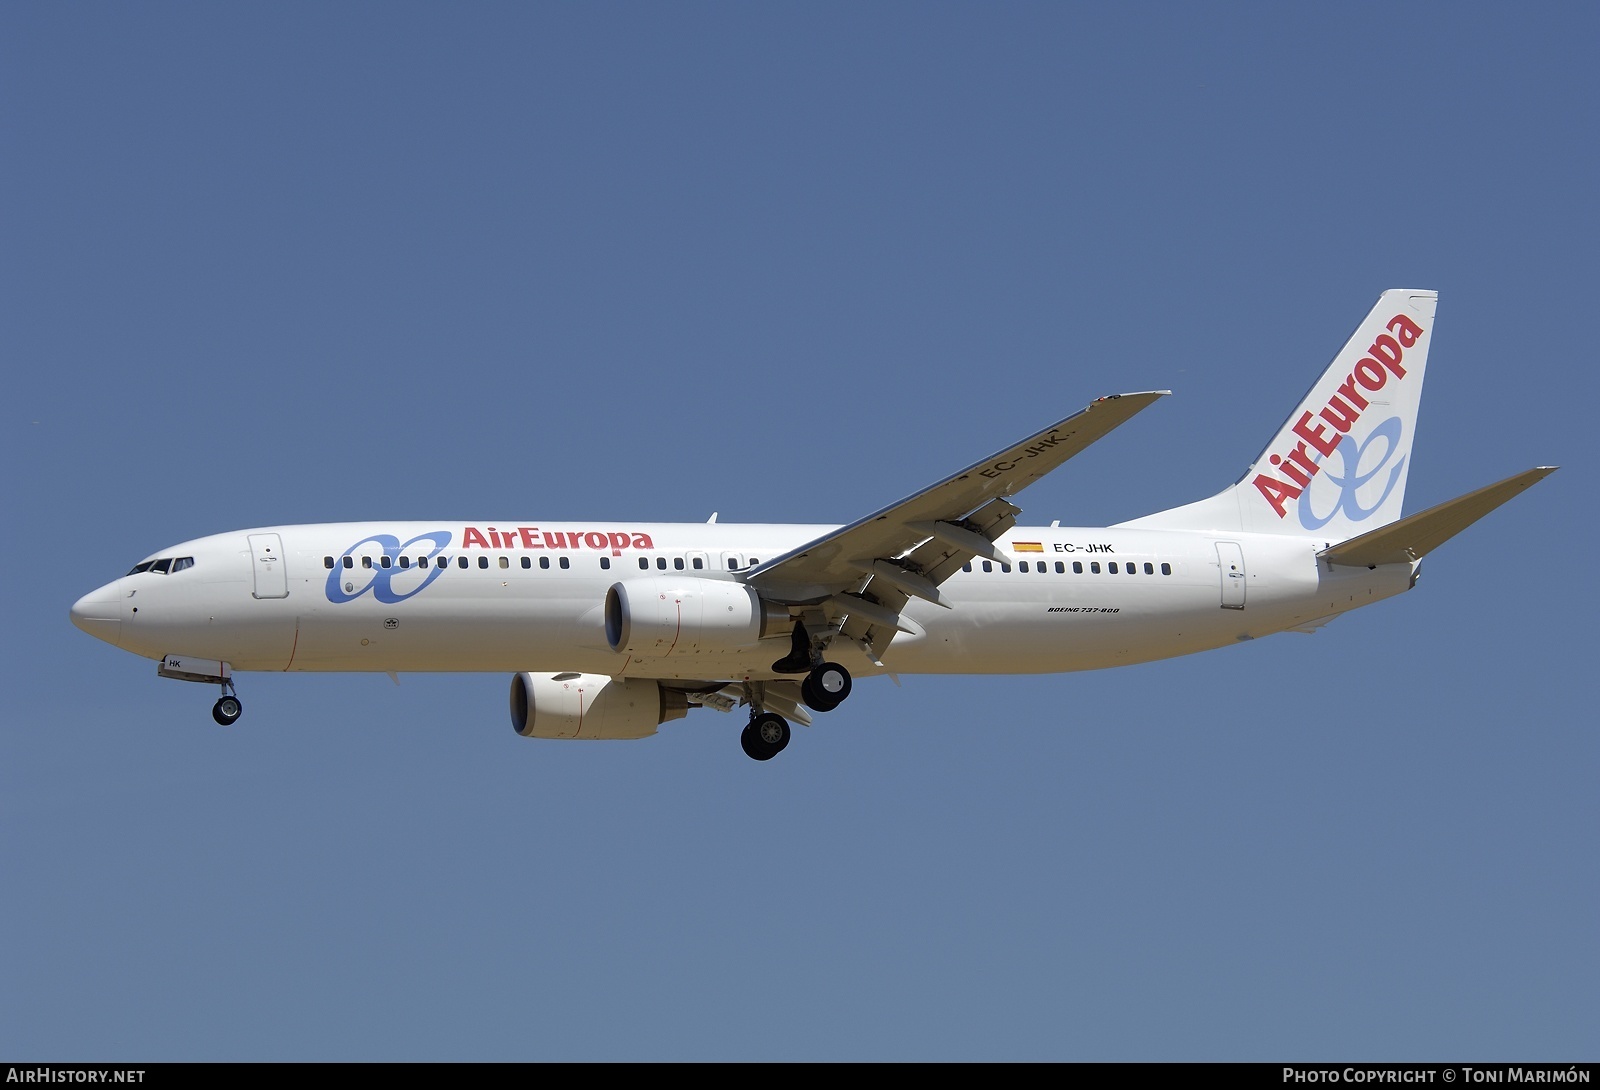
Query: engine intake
[
  {"x": 591, "y": 706},
  {"x": 658, "y": 617}
]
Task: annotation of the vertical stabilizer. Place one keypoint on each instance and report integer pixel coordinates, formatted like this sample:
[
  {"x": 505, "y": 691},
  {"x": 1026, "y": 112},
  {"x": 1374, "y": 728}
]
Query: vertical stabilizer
[{"x": 1338, "y": 465}]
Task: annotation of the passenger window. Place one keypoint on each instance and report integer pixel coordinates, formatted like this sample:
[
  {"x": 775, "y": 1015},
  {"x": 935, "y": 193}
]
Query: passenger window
[
  {"x": 698, "y": 563},
  {"x": 677, "y": 562},
  {"x": 988, "y": 566},
  {"x": 527, "y": 562},
  {"x": 605, "y": 563},
  {"x": 754, "y": 560},
  {"x": 733, "y": 565},
  {"x": 1006, "y": 568},
  {"x": 405, "y": 561},
  {"x": 349, "y": 561},
  {"x": 661, "y": 563},
  {"x": 1040, "y": 567},
  {"x": 1022, "y": 566},
  {"x": 1061, "y": 569},
  {"x": 366, "y": 561},
  {"x": 505, "y": 562},
  {"x": 1166, "y": 569},
  {"x": 327, "y": 562},
  {"x": 1094, "y": 567},
  {"x": 1112, "y": 567},
  {"x": 1133, "y": 569},
  {"x": 1077, "y": 567},
  {"x": 386, "y": 560},
  {"x": 544, "y": 563},
  {"x": 422, "y": 562},
  {"x": 565, "y": 563},
  {"x": 967, "y": 566},
  {"x": 1149, "y": 568},
  {"x": 461, "y": 561},
  {"x": 483, "y": 561}
]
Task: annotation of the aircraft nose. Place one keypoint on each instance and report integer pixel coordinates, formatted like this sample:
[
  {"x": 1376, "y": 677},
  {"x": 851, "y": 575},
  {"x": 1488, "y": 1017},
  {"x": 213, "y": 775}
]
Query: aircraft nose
[{"x": 99, "y": 613}]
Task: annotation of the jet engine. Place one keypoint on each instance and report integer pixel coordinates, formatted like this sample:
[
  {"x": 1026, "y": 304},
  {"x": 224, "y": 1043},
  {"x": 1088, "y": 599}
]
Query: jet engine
[
  {"x": 657, "y": 617},
  {"x": 591, "y": 706}
]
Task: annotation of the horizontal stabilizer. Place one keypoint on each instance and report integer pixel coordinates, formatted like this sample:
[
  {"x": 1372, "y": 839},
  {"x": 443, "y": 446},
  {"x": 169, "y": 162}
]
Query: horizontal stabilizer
[{"x": 1414, "y": 536}]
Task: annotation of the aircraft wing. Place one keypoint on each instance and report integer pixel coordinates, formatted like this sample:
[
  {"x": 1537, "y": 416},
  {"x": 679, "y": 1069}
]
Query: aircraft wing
[{"x": 860, "y": 576}]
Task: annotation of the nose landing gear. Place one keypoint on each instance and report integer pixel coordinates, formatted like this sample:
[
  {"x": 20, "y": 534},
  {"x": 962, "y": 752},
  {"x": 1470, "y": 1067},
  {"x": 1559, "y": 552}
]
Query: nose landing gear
[{"x": 228, "y": 709}]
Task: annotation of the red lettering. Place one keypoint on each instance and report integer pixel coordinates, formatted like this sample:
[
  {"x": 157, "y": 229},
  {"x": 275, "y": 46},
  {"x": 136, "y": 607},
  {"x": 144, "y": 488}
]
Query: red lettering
[
  {"x": 1289, "y": 469},
  {"x": 1340, "y": 416},
  {"x": 1300, "y": 458},
  {"x": 554, "y": 541},
  {"x": 595, "y": 541},
  {"x": 1276, "y": 492},
  {"x": 1404, "y": 328},
  {"x": 618, "y": 543},
  {"x": 529, "y": 541},
  {"x": 1370, "y": 375},
  {"x": 1348, "y": 391},
  {"x": 642, "y": 541},
  {"x": 1318, "y": 436},
  {"x": 1387, "y": 350},
  {"x": 472, "y": 536}
]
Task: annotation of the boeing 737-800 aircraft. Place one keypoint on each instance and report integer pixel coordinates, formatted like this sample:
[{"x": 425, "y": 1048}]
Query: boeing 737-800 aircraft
[{"x": 611, "y": 629}]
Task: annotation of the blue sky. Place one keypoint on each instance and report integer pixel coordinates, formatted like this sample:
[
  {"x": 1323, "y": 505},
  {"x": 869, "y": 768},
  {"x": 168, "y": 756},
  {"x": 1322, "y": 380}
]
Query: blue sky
[{"x": 298, "y": 263}]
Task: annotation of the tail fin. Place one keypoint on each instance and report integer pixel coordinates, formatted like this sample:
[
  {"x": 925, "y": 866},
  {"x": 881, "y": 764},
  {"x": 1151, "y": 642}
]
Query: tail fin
[{"x": 1337, "y": 467}]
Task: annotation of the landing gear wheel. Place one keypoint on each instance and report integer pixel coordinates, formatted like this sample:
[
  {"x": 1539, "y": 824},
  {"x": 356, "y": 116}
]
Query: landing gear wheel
[
  {"x": 765, "y": 737},
  {"x": 825, "y": 687},
  {"x": 227, "y": 711}
]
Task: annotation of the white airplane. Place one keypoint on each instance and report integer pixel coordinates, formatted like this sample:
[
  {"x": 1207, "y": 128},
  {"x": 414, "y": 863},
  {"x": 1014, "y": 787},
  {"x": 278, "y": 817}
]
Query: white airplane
[{"x": 611, "y": 629}]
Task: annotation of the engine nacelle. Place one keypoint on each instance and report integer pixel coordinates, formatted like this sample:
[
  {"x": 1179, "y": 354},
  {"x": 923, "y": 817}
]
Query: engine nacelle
[
  {"x": 591, "y": 706},
  {"x": 661, "y": 617}
]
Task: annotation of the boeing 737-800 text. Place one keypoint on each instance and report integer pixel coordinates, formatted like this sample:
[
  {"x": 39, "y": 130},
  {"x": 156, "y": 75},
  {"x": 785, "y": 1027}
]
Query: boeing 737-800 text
[{"x": 611, "y": 629}]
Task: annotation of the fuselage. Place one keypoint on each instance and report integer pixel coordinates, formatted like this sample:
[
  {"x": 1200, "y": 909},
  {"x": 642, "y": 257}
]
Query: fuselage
[{"x": 509, "y": 597}]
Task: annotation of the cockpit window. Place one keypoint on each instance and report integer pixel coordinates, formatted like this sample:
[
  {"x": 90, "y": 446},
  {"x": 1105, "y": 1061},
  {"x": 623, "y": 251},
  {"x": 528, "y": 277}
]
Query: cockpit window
[{"x": 164, "y": 565}]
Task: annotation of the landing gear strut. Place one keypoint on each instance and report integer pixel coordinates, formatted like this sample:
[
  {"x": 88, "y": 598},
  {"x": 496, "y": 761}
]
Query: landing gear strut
[
  {"x": 765, "y": 737},
  {"x": 826, "y": 684},
  {"x": 227, "y": 710}
]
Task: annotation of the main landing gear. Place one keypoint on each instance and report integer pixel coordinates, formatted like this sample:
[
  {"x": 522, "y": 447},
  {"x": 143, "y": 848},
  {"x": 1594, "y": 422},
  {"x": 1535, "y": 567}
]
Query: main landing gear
[
  {"x": 825, "y": 687},
  {"x": 765, "y": 737},
  {"x": 826, "y": 684}
]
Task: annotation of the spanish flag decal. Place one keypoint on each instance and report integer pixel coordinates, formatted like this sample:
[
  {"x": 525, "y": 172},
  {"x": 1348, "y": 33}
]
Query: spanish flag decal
[{"x": 1026, "y": 547}]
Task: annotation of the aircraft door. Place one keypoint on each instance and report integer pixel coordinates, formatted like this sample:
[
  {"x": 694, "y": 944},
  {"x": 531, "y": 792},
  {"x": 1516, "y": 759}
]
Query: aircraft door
[
  {"x": 266, "y": 559},
  {"x": 1230, "y": 559}
]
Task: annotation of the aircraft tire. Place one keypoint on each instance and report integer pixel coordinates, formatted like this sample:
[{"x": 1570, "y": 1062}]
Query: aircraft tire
[
  {"x": 826, "y": 687},
  {"x": 227, "y": 711},
  {"x": 765, "y": 737},
  {"x": 817, "y": 702}
]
